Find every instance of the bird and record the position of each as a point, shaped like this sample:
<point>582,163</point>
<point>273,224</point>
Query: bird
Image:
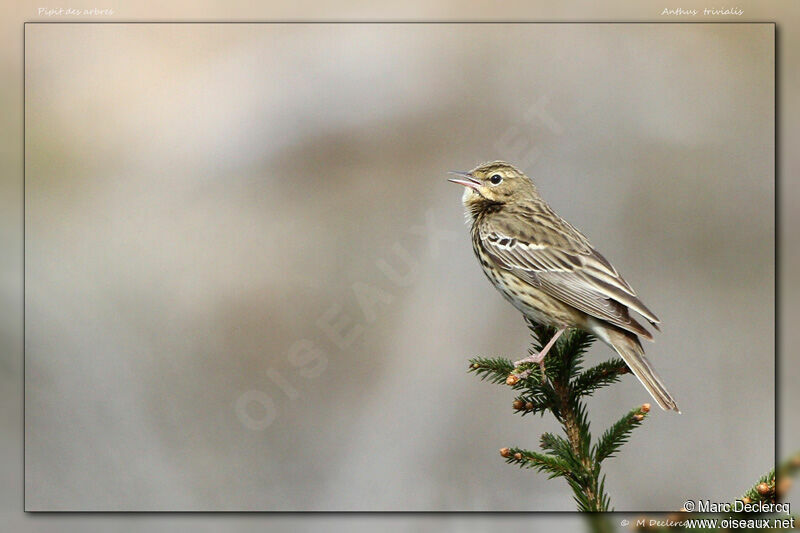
<point>550,272</point>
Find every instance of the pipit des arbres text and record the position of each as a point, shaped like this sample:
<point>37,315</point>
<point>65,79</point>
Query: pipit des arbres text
<point>550,272</point>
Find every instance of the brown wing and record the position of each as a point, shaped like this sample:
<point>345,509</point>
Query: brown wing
<point>568,269</point>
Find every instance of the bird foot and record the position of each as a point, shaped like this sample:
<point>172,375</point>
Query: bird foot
<point>535,358</point>
<point>538,359</point>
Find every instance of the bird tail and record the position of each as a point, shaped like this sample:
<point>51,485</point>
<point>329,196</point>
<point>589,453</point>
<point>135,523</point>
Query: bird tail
<point>631,351</point>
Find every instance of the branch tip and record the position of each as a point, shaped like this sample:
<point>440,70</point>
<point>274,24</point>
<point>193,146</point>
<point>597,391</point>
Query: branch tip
<point>783,486</point>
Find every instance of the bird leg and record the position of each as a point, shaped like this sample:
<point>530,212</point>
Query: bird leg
<point>539,357</point>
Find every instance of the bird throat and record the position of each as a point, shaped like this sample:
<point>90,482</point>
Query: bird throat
<point>477,205</point>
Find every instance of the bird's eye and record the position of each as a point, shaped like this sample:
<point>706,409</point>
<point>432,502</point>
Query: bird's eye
<point>496,179</point>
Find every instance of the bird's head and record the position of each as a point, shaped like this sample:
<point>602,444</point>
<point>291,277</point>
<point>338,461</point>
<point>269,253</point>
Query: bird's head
<point>494,183</point>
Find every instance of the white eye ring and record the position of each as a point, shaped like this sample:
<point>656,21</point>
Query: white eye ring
<point>496,179</point>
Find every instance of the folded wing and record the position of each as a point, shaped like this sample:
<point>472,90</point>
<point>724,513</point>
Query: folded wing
<point>573,272</point>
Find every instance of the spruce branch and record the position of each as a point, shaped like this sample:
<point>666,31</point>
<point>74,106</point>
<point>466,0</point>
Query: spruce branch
<point>618,434</point>
<point>560,392</point>
<point>769,489</point>
<point>492,370</point>
<point>773,486</point>
<point>763,490</point>
<point>787,471</point>
<point>599,376</point>
<point>553,465</point>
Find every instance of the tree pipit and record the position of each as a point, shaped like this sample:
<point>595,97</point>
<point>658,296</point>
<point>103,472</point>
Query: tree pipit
<point>550,272</point>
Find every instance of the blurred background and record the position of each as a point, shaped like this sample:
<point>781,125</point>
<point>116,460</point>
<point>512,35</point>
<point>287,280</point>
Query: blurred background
<point>249,286</point>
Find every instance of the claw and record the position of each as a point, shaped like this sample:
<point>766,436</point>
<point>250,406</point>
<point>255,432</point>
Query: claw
<point>539,357</point>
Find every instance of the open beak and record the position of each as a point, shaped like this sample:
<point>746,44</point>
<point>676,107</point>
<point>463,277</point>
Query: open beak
<point>465,179</point>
